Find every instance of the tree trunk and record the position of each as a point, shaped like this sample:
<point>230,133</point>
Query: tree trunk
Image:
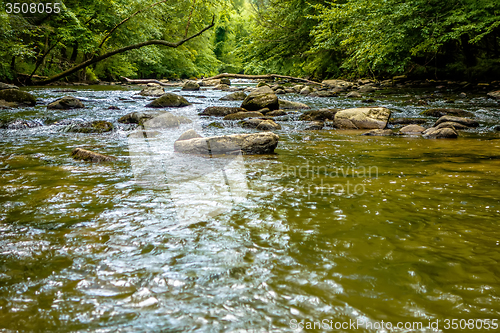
<point>146,81</point>
<point>266,76</point>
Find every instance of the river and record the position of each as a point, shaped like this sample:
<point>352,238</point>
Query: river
<point>335,227</point>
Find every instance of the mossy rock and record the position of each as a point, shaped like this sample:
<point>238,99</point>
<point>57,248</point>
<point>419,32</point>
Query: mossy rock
<point>90,156</point>
<point>243,115</point>
<point>215,125</point>
<point>169,100</point>
<point>319,115</point>
<point>439,112</point>
<point>66,103</point>
<point>17,96</point>
<point>98,126</point>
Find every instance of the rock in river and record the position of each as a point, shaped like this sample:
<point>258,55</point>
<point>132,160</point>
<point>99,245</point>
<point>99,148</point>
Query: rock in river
<point>90,156</point>
<point>189,134</point>
<point>134,118</point>
<point>321,115</point>
<point>292,105</point>
<point>220,111</point>
<point>236,96</point>
<point>165,120</point>
<point>439,112</point>
<point>98,126</point>
<point>459,120</point>
<point>243,115</point>
<point>494,94</point>
<point>169,100</point>
<point>379,132</point>
<point>190,86</point>
<point>7,86</point>
<point>17,96</point>
<point>257,143</point>
<point>362,118</point>
<point>440,133</point>
<point>152,91</point>
<point>260,98</point>
<point>66,103</point>
<point>412,129</point>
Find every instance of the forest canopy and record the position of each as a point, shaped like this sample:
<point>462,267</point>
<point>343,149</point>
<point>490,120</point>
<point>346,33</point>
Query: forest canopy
<point>314,38</point>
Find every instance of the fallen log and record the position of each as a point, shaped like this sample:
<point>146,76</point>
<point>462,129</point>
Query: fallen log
<point>256,77</point>
<point>146,81</point>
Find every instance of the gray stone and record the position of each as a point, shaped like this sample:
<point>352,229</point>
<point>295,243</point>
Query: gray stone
<point>189,134</point>
<point>257,143</point>
<point>17,96</point>
<point>283,104</point>
<point>379,132</point>
<point>155,90</point>
<point>263,97</point>
<point>66,103</point>
<point>243,115</point>
<point>169,100</point>
<point>221,111</point>
<point>363,118</point>
<point>440,133</point>
<point>236,96</point>
<point>412,129</point>
<point>165,120</point>
<point>460,120</point>
<point>190,86</point>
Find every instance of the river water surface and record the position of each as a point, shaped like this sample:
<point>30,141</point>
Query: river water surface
<point>335,227</point>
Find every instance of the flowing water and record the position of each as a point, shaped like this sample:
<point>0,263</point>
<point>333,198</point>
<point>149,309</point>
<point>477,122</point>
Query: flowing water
<point>335,227</point>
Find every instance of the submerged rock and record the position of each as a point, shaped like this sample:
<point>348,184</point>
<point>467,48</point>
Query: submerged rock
<point>362,118</point>
<point>98,126</point>
<point>221,111</point>
<point>322,115</point>
<point>439,112</point>
<point>460,120</point>
<point>292,105</point>
<point>169,100</point>
<point>412,129</point>
<point>90,156</point>
<point>236,96</point>
<point>449,124</point>
<point>66,103</point>
<point>17,96</point>
<point>155,90</point>
<point>275,113</point>
<point>223,87</point>
<point>257,143</point>
<point>379,132</point>
<point>407,121</point>
<point>243,115</point>
<point>190,86</point>
<point>440,133</point>
<point>260,98</point>
<point>225,80</point>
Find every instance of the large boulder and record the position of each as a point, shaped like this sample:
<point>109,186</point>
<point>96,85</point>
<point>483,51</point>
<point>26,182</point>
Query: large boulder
<point>220,111</point>
<point>190,86</point>
<point>7,86</point>
<point>459,120</point>
<point>494,94</point>
<point>90,156</point>
<point>440,133</point>
<point>321,115</point>
<point>363,118</point>
<point>66,103</point>
<point>17,96</point>
<point>263,97</point>
<point>165,120</point>
<point>307,90</point>
<point>98,126</point>
<point>236,96</point>
<point>257,143</point>
<point>243,115</point>
<point>155,90</point>
<point>439,112</point>
<point>169,100</point>
<point>283,104</point>
<point>134,118</point>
